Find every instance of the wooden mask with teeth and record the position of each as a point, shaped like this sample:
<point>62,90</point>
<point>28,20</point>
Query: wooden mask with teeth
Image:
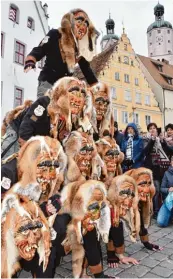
<point>82,156</point>
<point>123,196</point>
<point>25,231</point>
<point>111,155</point>
<point>146,191</point>
<point>103,107</point>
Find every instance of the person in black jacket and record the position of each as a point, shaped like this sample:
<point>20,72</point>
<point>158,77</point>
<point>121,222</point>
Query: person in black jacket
<point>74,42</point>
<point>156,158</point>
<point>10,129</point>
<point>117,135</point>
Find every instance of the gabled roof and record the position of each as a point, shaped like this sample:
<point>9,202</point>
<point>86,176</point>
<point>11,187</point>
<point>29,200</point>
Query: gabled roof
<point>159,77</point>
<point>98,63</point>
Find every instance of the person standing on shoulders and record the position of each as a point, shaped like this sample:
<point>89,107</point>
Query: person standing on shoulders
<point>74,42</point>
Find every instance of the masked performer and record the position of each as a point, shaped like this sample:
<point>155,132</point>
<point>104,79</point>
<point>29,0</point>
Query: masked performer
<point>10,129</point>
<point>74,42</point>
<point>83,160</point>
<point>123,198</point>
<point>146,191</point>
<point>25,231</point>
<point>57,114</point>
<point>102,104</point>
<point>40,166</point>
<point>86,202</point>
<point>110,153</point>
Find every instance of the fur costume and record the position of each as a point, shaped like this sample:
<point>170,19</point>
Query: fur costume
<point>34,152</point>
<point>78,200</point>
<point>124,203</point>
<point>103,107</point>
<point>110,153</point>
<point>25,230</point>
<point>70,101</point>
<point>83,160</point>
<point>73,48</point>
<point>13,114</point>
<point>145,194</point>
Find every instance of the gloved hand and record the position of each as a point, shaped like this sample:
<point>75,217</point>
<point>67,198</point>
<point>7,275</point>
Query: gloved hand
<point>151,246</point>
<point>128,162</point>
<point>30,64</point>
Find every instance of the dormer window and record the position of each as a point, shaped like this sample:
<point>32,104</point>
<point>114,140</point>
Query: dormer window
<point>160,68</point>
<point>31,23</point>
<point>14,13</point>
<point>125,46</point>
<point>169,80</point>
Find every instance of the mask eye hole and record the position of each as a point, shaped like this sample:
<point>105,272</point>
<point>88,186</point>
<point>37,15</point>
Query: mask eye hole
<point>25,232</point>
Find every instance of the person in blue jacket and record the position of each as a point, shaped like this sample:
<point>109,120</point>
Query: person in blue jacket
<point>132,147</point>
<point>165,213</point>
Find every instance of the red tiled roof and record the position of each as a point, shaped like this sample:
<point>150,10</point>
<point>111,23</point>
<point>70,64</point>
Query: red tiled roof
<point>159,77</point>
<point>98,63</point>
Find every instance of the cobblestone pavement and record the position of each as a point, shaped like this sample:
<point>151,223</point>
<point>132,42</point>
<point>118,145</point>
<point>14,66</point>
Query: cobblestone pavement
<point>152,264</point>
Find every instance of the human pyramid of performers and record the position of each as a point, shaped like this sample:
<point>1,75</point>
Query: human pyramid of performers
<point>63,186</point>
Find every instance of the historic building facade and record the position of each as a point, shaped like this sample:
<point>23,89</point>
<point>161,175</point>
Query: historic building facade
<point>132,97</point>
<point>23,25</point>
<point>160,37</point>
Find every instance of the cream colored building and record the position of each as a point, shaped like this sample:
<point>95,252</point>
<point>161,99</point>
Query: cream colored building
<point>132,97</point>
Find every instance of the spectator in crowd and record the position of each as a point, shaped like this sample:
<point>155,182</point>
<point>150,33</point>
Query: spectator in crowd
<point>132,147</point>
<point>117,135</point>
<point>156,158</point>
<point>169,136</point>
<point>166,212</point>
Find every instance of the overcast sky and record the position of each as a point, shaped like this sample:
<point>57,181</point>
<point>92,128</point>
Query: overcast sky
<point>136,15</point>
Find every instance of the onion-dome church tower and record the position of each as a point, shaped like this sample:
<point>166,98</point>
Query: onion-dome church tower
<point>110,37</point>
<point>160,37</point>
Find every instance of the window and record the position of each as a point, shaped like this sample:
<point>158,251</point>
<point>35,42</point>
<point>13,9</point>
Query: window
<point>41,63</point>
<point>168,31</point>
<point>150,34</point>
<point>19,53</point>
<point>125,46</point>
<point>113,93</point>
<point>136,118</point>
<point>119,59</point>
<point>169,41</point>
<point>132,63</point>
<point>14,13</point>
<point>117,76</point>
<point>18,96</point>
<point>158,31</point>
<point>31,23</point>
<point>2,44</point>
<point>147,119</point>
<point>115,114</point>
<point>136,81</point>
<point>127,95</point>
<point>138,98</point>
<point>126,60</point>
<point>150,44</point>
<point>125,117</point>
<point>147,100</point>
<point>169,51</point>
<point>126,78</point>
<point>151,53</point>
